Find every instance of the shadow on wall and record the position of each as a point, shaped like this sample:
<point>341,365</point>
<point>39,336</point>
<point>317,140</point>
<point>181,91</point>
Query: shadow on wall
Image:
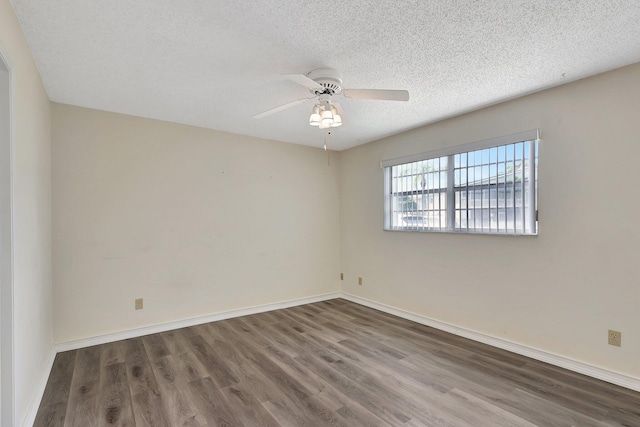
<point>6,285</point>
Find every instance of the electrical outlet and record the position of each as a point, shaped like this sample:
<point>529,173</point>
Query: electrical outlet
<point>360,281</point>
<point>341,276</point>
<point>615,338</point>
<point>139,304</point>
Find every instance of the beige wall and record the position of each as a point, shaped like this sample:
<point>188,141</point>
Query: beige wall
<point>558,292</point>
<point>31,214</point>
<point>192,220</point>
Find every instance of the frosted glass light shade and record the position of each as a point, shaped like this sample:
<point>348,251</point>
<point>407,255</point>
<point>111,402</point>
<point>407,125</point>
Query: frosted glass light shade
<point>327,116</point>
<point>314,118</point>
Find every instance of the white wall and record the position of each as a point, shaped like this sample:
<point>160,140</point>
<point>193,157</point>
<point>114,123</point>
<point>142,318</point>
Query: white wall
<point>6,263</point>
<point>31,214</point>
<point>194,221</point>
<point>559,292</point>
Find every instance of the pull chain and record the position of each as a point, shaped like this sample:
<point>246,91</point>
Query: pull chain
<point>326,147</point>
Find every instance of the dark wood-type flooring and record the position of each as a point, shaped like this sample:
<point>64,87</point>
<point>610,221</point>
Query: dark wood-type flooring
<point>324,364</point>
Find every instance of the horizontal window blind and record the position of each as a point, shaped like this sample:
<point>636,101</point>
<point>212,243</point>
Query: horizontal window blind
<point>484,187</point>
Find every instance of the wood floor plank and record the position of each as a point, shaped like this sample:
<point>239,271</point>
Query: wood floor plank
<point>155,346</point>
<point>249,373</point>
<point>148,410</point>
<point>377,405</point>
<point>227,350</point>
<point>408,377</point>
<point>212,403</point>
<point>403,380</point>
<point>83,402</point>
<point>140,374</point>
<point>59,384</point>
<point>318,388</point>
<point>355,415</point>
<point>245,405</point>
<point>112,353</point>
<point>540,411</point>
<point>216,367</point>
<point>84,413</point>
<point>330,350</point>
<point>53,406</point>
<point>616,401</point>
<point>285,415</point>
<point>401,397</point>
<point>331,363</point>
<point>176,340</point>
<point>308,324</point>
<point>302,412</point>
<point>179,407</point>
<point>240,327</point>
<point>190,367</point>
<point>52,415</point>
<point>370,357</point>
<point>143,386</point>
<point>477,412</point>
<point>114,402</point>
<point>293,397</point>
<point>284,342</point>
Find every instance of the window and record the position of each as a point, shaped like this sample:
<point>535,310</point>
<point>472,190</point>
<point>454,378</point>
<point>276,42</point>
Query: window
<point>485,187</point>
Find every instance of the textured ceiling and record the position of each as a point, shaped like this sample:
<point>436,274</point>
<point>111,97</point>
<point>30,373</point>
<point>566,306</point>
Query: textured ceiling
<point>216,63</point>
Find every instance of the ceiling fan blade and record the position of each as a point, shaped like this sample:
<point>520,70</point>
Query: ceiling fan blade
<point>303,80</point>
<point>387,95</point>
<point>282,107</point>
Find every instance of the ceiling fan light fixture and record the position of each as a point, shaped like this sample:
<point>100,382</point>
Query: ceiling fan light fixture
<point>325,84</point>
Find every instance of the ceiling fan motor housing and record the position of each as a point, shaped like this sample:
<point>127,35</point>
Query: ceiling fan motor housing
<point>329,79</point>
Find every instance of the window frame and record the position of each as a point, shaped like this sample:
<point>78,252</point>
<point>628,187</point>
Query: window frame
<point>450,152</point>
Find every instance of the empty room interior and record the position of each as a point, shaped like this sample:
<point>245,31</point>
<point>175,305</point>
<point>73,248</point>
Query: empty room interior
<point>355,213</point>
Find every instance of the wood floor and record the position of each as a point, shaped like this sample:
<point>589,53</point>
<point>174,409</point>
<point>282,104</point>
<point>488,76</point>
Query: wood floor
<point>324,364</point>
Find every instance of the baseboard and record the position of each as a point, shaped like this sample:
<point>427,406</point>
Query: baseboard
<point>32,409</point>
<point>163,327</point>
<point>534,353</point>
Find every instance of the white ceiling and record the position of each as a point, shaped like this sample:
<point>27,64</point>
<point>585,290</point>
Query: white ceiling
<point>216,63</point>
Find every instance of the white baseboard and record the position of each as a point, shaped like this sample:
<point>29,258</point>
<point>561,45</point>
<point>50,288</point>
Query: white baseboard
<point>163,327</point>
<point>32,409</point>
<point>534,353</point>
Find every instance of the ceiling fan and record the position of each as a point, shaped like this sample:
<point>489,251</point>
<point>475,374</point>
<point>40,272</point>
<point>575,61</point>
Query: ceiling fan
<point>324,84</point>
